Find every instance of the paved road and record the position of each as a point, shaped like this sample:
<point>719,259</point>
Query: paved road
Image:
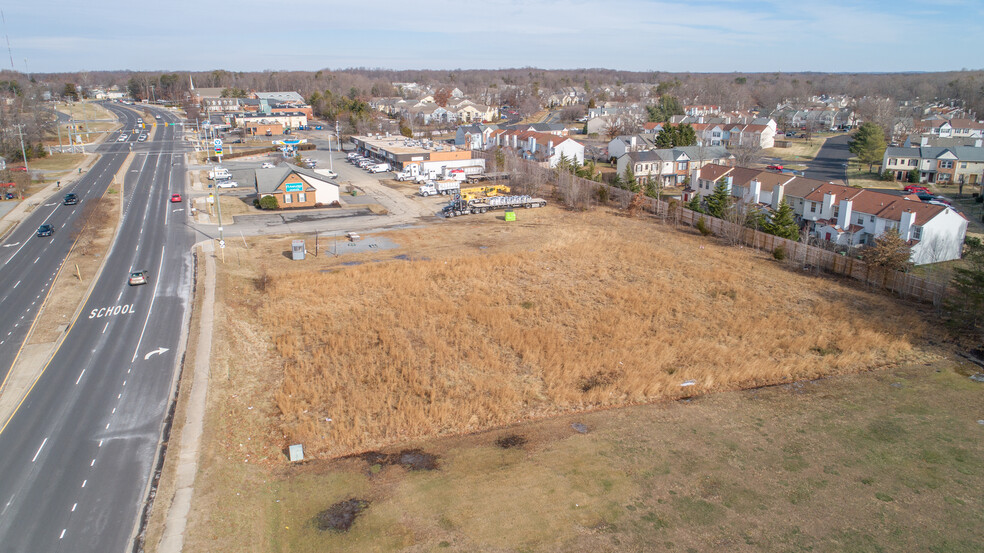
<point>29,263</point>
<point>76,458</point>
<point>831,161</point>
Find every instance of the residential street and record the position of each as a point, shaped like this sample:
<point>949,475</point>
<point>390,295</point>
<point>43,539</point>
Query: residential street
<point>831,161</point>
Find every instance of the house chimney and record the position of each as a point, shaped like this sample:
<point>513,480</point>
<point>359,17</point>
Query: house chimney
<point>632,143</point>
<point>827,207</point>
<point>730,180</point>
<point>777,193</point>
<point>754,191</point>
<point>977,143</point>
<point>844,216</point>
<point>906,222</point>
<point>924,141</point>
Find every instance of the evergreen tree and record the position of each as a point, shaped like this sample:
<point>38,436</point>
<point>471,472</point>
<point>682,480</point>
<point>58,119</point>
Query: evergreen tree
<point>719,201</point>
<point>868,144</point>
<point>782,223</point>
<point>631,183</point>
<point>694,204</point>
<point>666,136</point>
<point>685,136</point>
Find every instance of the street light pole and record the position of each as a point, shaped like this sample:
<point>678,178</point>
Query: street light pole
<point>23,151</point>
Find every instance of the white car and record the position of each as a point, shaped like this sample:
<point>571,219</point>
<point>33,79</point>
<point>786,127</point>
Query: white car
<point>329,173</point>
<point>267,165</point>
<point>122,138</point>
<point>227,184</point>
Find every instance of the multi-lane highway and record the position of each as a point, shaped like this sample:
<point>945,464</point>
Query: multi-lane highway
<point>77,456</point>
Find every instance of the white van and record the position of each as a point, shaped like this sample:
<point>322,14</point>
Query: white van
<point>379,167</point>
<point>219,173</point>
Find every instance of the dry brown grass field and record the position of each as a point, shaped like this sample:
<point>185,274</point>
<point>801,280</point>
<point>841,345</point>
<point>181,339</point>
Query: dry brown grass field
<point>487,323</point>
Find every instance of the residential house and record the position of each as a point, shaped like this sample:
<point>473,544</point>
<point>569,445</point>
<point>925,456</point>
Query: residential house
<point>474,137</point>
<point>845,215</point>
<point>671,166</point>
<point>651,128</point>
<point>943,165</point>
<point>702,110</point>
<point>537,146</point>
<point>295,187</point>
<point>622,145</point>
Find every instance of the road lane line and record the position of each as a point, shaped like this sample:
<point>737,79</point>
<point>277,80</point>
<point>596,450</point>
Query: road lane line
<point>151,308</point>
<point>105,327</point>
<point>62,534</point>
<point>39,450</point>
<point>16,285</point>
<point>100,443</point>
<point>92,463</point>
<point>80,377</point>
<point>74,505</point>
<point>83,483</point>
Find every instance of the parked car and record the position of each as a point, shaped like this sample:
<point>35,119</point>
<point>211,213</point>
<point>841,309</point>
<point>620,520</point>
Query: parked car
<point>940,200</point>
<point>70,199</point>
<point>925,196</point>
<point>46,230</point>
<point>915,188</point>
<point>227,184</point>
<point>775,168</point>
<point>121,138</point>
<point>267,165</point>
<point>137,278</point>
<point>329,173</point>
<point>175,198</point>
<point>9,196</point>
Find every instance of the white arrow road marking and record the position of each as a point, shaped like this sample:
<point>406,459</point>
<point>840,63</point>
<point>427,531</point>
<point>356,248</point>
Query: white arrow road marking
<point>11,245</point>
<point>177,210</point>
<point>49,205</point>
<point>154,352</point>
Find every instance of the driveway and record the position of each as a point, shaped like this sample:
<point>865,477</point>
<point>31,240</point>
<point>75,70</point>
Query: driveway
<point>831,161</point>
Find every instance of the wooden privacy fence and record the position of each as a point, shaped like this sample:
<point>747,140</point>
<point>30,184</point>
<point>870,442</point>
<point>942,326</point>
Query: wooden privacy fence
<point>809,257</point>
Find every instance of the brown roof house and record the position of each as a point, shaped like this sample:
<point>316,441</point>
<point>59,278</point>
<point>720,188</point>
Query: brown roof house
<point>296,187</point>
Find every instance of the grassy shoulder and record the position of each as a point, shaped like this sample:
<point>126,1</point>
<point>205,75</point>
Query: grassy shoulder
<point>101,119</point>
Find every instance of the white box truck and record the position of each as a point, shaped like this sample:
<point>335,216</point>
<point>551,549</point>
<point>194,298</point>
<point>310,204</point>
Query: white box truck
<point>219,173</point>
<point>445,187</point>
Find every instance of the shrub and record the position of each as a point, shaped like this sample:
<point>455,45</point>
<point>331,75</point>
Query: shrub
<point>779,253</point>
<point>603,195</point>
<point>703,228</point>
<point>888,175</point>
<point>256,202</point>
<point>269,202</point>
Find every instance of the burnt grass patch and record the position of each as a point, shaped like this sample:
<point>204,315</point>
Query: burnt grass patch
<point>410,459</point>
<point>510,441</point>
<point>340,516</point>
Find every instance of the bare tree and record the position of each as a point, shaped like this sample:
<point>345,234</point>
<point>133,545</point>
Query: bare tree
<point>746,154</point>
<point>737,216</point>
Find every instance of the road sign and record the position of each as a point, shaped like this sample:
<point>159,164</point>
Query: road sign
<point>217,142</point>
<point>221,243</point>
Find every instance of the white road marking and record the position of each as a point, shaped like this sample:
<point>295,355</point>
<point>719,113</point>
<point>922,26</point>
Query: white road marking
<point>107,426</point>
<point>114,410</point>
<point>83,483</point>
<point>74,505</point>
<point>100,443</point>
<point>149,310</point>
<point>62,534</point>
<point>36,260</point>
<point>105,327</point>
<point>92,463</point>
<point>80,377</point>
<point>124,382</point>
<point>39,450</point>
<point>16,285</point>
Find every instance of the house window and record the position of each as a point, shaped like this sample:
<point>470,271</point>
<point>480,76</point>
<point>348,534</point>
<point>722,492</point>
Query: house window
<point>682,166</point>
<point>913,162</point>
<point>943,177</point>
<point>891,161</point>
<point>860,219</point>
<point>288,198</point>
<point>946,165</point>
<point>963,164</point>
<point>917,233</point>
<point>871,219</point>
<point>813,207</point>
<point>301,197</point>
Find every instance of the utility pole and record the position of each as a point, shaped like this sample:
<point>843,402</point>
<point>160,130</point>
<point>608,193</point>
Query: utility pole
<point>23,151</point>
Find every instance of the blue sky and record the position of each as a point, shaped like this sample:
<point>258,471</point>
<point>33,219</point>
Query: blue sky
<point>639,35</point>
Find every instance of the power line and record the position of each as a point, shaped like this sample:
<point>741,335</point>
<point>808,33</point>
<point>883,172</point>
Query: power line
<point>6,36</point>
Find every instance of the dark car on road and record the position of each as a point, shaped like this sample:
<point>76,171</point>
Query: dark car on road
<point>45,230</point>
<point>71,199</point>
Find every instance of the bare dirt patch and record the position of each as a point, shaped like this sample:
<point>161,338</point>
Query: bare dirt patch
<point>340,516</point>
<point>410,459</point>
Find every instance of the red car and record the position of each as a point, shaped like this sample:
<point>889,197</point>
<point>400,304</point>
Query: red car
<point>175,198</point>
<point>775,168</point>
<point>19,168</point>
<point>915,189</point>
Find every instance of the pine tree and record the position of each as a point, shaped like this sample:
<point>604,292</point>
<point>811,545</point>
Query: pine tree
<point>782,223</point>
<point>631,183</point>
<point>889,252</point>
<point>719,200</point>
<point>694,204</point>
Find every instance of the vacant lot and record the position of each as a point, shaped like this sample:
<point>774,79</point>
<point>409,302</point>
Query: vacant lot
<point>800,149</point>
<point>476,324</point>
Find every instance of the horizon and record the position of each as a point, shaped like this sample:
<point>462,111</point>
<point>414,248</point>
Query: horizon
<point>704,36</point>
